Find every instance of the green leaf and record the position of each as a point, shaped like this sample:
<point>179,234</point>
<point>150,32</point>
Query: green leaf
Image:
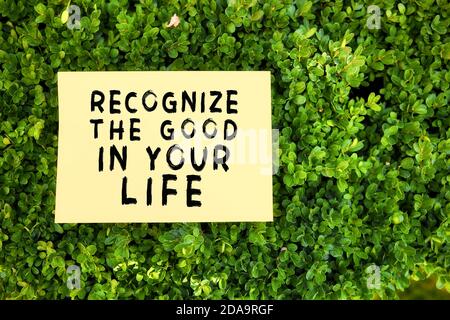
<point>64,16</point>
<point>231,27</point>
<point>288,180</point>
<point>40,9</point>
<point>257,15</point>
<point>342,185</point>
<point>445,51</point>
<point>310,33</point>
<point>420,109</point>
<point>299,100</point>
<point>407,163</point>
<point>91,249</point>
<point>305,7</point>
<point>173,53</point>
<point>388,58</point>
<point>58,228</point>
<point>58,262</point>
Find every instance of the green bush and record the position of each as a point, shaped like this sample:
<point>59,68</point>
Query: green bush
<point>424,290</point>
<point>364,149</point>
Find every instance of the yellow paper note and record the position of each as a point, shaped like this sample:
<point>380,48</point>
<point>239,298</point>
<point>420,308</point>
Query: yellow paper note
<point>166,146</point>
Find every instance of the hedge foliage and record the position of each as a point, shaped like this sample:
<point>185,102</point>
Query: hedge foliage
<point>364,149</point>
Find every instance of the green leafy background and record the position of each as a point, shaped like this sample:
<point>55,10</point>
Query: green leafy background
<point>364,149</point>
